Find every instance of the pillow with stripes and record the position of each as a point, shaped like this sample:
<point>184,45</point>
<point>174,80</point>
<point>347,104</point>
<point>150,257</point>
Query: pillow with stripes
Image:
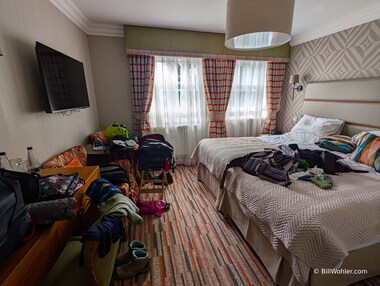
<point>368,150</point>
<point>338,143</point>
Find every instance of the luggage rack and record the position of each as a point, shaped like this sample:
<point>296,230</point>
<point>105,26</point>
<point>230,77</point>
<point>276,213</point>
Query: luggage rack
<point>152,181</point>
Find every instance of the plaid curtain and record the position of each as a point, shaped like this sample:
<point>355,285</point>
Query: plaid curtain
<point>217,75</point>
<point>142,77</point>
<point>275,78</point>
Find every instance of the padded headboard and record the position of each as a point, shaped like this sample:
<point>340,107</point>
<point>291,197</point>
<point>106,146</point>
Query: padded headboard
<point>355,101</point>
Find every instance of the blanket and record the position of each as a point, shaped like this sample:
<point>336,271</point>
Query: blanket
<point>316,227</point>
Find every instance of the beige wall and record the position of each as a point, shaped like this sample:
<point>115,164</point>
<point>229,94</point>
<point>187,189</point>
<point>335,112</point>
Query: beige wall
<point>111,79</point>
<point>349,54</point>
<point>23,121</point>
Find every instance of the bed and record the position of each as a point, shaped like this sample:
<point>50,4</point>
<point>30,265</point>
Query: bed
<point>300,231</point>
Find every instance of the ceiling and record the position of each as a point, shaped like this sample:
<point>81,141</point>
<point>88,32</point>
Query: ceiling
<point>312,18</point>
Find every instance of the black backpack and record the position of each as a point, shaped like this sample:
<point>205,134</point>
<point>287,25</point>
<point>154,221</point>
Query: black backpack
<point>14,218</point>
<point>155,153</point>
<point>29,183</point>
<point>268,165</point>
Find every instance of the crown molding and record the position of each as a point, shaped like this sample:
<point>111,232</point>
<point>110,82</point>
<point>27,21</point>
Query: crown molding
<point>362,16</point>
<point>71,11</point>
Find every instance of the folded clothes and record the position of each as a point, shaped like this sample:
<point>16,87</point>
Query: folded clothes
<point>120,205</point>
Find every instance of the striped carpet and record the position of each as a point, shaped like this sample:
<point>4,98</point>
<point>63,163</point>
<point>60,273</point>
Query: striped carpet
<point>192,244</point>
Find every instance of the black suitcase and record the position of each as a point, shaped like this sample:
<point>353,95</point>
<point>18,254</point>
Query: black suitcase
<point>115,174</point>
<point>14,218</point>
<point>155,154</point>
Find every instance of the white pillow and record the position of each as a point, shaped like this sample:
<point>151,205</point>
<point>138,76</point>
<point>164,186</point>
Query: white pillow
<point>318,126</point>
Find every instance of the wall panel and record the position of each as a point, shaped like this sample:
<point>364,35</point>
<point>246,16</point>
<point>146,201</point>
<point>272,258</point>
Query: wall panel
<point>349,54</point>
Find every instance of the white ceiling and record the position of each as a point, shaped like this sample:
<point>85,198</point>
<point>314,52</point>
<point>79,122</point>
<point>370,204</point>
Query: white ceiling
<point>312,18</point>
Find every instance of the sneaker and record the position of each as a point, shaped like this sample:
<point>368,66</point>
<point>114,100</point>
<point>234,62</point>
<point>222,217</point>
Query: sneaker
<point>166,207</point>
<point>139,263</point>
<point>125,256</point>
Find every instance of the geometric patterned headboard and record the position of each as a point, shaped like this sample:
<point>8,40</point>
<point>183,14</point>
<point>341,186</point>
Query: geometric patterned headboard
<point>356,101</point>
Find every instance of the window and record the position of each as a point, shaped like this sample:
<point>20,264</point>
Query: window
<point>178,96</point>
<point>246,109</point>
<point>178,109</point>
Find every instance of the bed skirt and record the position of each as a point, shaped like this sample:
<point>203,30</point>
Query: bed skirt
<point>277,266</point>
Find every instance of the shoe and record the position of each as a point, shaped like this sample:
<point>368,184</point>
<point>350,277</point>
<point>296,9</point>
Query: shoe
<point>138,264</point>
<point>125,256</point>
<point>169,179</point>
<point>166,207</point>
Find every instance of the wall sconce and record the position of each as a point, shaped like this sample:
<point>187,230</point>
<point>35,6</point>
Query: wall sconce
<point>295,78</point>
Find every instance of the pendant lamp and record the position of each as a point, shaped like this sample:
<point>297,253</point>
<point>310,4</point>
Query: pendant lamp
<point>258,24</point>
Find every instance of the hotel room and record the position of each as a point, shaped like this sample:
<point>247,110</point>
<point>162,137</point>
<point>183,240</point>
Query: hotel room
<point>165,67</point>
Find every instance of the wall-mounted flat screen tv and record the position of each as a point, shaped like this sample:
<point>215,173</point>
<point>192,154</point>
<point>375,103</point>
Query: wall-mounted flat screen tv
<point>63,79</point>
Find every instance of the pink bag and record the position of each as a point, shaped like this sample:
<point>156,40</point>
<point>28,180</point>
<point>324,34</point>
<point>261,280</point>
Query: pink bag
<point>152,207</point>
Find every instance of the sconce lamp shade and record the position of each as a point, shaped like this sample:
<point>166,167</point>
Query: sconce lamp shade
<point>258,24</point>
<point>294,78</point>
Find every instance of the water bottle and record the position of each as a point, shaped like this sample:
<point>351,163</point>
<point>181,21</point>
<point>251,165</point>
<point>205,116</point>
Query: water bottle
<point>4,162</point>
<point>33,163</point>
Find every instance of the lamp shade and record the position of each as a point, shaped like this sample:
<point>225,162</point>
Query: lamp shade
<point>258,24</point>
<point>294,78</point>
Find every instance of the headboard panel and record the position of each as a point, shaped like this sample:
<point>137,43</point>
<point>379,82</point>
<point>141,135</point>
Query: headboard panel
<point>355,101</point>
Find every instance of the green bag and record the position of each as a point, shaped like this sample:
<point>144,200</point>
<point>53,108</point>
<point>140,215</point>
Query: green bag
<point>325,183</point>
<point>117,129</point>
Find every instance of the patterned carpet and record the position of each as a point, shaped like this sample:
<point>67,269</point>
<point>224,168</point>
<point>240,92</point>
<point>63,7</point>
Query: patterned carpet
<point>192,244</point>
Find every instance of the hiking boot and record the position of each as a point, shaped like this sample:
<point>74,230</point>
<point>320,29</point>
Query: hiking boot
<point>125,256</point>
<point>139,263</point>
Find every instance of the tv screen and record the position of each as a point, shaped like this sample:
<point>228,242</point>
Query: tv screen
<point>63,80</point>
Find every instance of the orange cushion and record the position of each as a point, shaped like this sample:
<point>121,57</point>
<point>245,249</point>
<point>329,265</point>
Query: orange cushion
<point>74,163</point>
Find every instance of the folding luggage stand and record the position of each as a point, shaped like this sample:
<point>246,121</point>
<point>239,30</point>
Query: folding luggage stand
<point>151,177</point>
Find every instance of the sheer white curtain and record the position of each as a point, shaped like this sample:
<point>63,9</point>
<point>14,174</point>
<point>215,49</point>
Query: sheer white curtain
<point>178,108</point>
<point>246,110</point>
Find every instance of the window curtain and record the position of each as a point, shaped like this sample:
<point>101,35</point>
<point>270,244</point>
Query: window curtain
<point>142,77</point>
<point>247,106</point>
<point>275,78</point>
<point>178,108</point>
<point>218,75</point>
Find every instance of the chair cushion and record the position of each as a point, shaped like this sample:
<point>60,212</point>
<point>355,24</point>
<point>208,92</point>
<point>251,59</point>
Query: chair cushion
<point>130,190</point>
<point>74,163</point>
<point>65,157</point>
